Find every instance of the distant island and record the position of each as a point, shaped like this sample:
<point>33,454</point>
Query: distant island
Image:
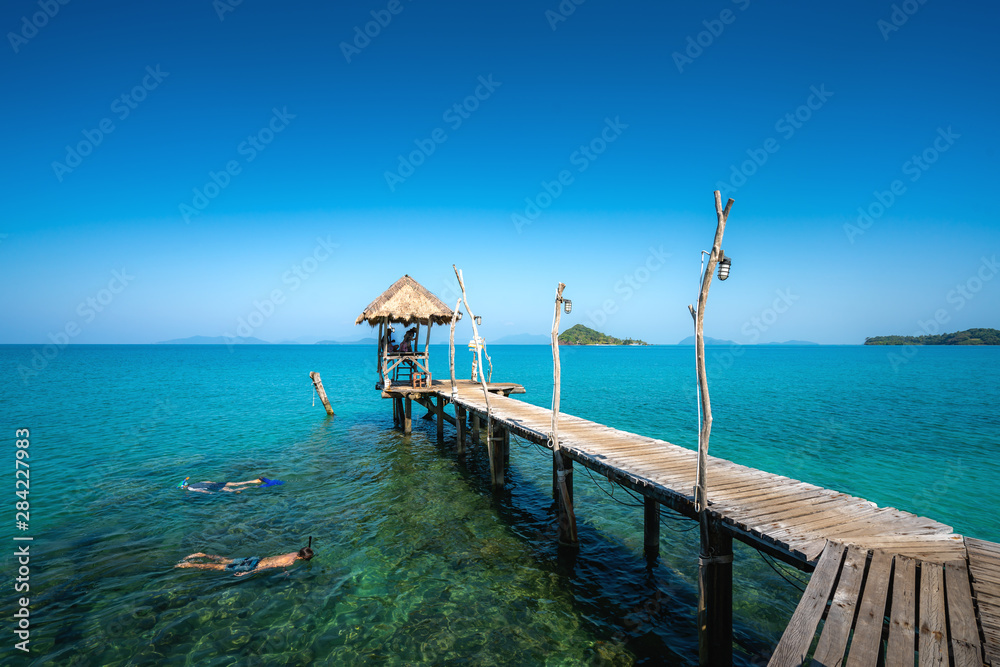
<point>721,341</point>
<point>581,335</point>
<point>967,337</point>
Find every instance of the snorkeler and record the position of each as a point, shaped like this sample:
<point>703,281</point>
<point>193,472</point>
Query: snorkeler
<point>244,566</point>
<point>229,487</point>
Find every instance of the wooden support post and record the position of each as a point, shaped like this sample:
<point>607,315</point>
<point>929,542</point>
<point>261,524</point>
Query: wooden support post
<point>567,517</point>
<point>651,527</point>
<point>439,410</point>
<point>567,464</point>
<point>407,421</point>
<point>555,478</point>
<point>318,385</point>
<point>715,563</point>
<point>506,447</point>
<point>475,428</point>
<point>460,428</point>
<point>395,411</point>
<point>715,600</point>
<point>497,467</point>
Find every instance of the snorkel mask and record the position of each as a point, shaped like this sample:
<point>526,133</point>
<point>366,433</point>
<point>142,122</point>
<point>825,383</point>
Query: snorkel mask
<point>183,485</point>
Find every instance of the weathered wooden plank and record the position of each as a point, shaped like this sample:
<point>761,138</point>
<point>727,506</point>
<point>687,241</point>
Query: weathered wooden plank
<point>964,635</point>
<point>933,632</point>
<point>776,500</point>
<point>839,620</point>
<point>798,635</point>
<point>871,612</point>
<point>902,646</point>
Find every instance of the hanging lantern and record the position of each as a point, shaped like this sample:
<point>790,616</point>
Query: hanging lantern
<point>724,265</point>
<point>568,306</point>
<point>479,319</point>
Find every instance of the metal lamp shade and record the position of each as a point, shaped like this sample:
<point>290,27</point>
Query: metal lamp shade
<point>568,306</point>
<point>724,265</point>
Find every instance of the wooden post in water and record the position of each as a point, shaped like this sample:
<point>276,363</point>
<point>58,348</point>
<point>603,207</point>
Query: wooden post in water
<point>460,429</point>
<point>567,518</point>
<point>715,563</point>
<point>475,428</point>
<point>651,527</point>
<point>439,411</point>
<point>407,421</point>
<point>496,452</point>
<point>318,384</point>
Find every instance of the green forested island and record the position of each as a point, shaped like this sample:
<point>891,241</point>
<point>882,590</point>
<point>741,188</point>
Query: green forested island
<point>967,337</point>
<point>581,335</point>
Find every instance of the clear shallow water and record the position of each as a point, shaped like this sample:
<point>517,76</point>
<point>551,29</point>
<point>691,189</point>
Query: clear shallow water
<point>417,562</point>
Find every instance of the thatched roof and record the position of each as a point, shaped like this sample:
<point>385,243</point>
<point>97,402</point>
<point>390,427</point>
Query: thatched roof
<point>407,301</point>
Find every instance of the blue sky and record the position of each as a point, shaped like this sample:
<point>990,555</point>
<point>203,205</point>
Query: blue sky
<point>253,165</point>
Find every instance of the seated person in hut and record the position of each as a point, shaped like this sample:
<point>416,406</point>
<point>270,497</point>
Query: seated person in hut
<point>390,344</point>
<point>408,338</point>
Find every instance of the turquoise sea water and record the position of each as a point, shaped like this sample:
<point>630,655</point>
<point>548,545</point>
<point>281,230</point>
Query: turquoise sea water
<point>417,562</point>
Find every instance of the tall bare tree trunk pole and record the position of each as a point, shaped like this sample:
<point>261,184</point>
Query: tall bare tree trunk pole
<point>715,564</point>
<point>482,378</point>
<point>451,348</point>
<point>567,518</point>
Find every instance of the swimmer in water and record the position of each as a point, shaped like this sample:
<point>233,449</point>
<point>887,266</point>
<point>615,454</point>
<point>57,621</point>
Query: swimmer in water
<point>228,487</point>
<point>241,567</point>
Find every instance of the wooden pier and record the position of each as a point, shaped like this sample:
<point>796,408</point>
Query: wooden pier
<point>887,586</point>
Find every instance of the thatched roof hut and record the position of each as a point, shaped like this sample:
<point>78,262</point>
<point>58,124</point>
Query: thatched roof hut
<point>406,302</point>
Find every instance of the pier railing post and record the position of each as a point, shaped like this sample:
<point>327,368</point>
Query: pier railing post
<point>715,564</point>
<point>567,517</point>
<point>482,378</point>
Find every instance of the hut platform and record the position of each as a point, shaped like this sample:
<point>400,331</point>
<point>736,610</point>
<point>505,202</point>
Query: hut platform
<point>886,585</point>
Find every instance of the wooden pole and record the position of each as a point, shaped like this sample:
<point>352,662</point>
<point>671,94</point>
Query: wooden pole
<point>475,428</point>
<point>715,603</point>
<point>715,599</point>
<point>651,527</point>
<point>701,488</point>
<point>318,384</point>
<point>567,518</point>
<point>460,429</point>
<point>381,342</point>
<point>451,349</point>
<point>496,453</point>
<point>482,379</point>
<point>440,418</point>
<point>407,421</point>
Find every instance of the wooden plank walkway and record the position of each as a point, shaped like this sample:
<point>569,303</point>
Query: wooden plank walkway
<point>887,586</point>
<point>984,565</point>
